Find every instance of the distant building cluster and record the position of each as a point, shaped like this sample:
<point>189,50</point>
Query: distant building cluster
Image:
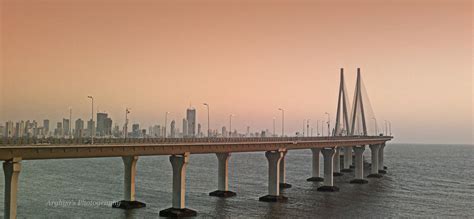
<point>103,127</point>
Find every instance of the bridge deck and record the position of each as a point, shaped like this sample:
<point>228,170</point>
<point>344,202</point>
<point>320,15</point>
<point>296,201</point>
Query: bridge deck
<point>57,149</point>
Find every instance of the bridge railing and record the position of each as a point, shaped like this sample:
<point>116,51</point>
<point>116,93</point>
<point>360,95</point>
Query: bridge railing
<point>67,141</point>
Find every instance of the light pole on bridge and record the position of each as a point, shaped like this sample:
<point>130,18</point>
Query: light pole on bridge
<point>375,124</point>
<point>282,121</point>
<point>329,123</point>
<point>92,119</point>
<point>208,126</point>
<point>125,127</point>
<point>166,122</point>
<point>230,124</point>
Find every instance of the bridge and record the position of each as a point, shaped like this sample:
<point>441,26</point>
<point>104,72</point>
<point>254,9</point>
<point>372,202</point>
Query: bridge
<point>349,140</point>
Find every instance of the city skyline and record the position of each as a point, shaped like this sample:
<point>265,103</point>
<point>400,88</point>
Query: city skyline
<point>256,59</point>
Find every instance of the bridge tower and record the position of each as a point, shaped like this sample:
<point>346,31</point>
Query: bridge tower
<point>342,124</point>
<point>358,108</point>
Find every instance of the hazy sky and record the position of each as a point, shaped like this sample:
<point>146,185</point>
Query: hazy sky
<point>242,57</point>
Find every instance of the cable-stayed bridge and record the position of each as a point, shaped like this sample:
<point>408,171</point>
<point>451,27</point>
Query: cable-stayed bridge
<point>350,138</point>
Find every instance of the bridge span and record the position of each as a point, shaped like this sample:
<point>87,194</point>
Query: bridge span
<point>13,151</point>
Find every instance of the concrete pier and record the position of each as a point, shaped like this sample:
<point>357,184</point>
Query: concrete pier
<point>359,165</point>
<point>222,176</point>
<point>337,162</point>
<point>328,185</point>
<point>381,164</point>
<point>316,175</point>
<point>129,202</point>
<point>274,158</point>
<point>178,209</point>
<point>374,166</point>
<point>347,159</point>
<point>283,184</point>
<point>11,169</point>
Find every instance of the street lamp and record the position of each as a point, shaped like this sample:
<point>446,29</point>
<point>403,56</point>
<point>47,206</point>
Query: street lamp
<point>230,124</point>
<point>304,126</point>
<point>282,122</point>
<point>375,124</point>
<point>273,127</point>
<point>329,123</point>
<point>390,127</point>
<point>166,122</point>
<point>208,123</point>
<point>125,127</point>
<point>92,119</point>
<point>70,123</point>
<point>317,127</point>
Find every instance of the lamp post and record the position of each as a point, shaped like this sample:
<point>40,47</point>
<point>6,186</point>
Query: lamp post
<point>307,128</point>
<point>375,124</point>
<point>273,127</point>
<point>230,125</point>
<point>70,123</point>
<point>166,122</point>
<point>304,124</point>
<point>329,123</point>
<point>125,127</point>
<point>390,127</point>
<point>317,127</point>
<point>92,119</point>
<point>282,121</point>
<point>208,123</point>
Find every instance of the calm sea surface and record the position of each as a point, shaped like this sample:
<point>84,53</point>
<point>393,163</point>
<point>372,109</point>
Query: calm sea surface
<point>422,180</point>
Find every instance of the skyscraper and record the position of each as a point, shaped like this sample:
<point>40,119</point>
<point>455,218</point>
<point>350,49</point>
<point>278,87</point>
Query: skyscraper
<point>136,130</point>
<point>9,131</point>
<point>90,128</point>
<point>173,129</point>
<point>191,118</point>
<point>66,127</point>
<point>199,133</point>
<point>185,128</point>
<point>79,128</point>
<point>46,127</point>
<point>104,124</point>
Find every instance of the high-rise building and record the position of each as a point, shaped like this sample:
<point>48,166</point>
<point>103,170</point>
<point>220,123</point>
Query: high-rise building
<point>58,132</point>
<point>191,118</point>
<point>104,124</point>
<point>46,127</point>
<point>2,131</point>
<point>173,129</point>
<point>224,131</point>
<point>199,133</point>
<point>136,130</point>
<point>79,128</point>
<point>90,128</point>
<point>9,131</point>
<point>185,128</point>
<point>66,127</point>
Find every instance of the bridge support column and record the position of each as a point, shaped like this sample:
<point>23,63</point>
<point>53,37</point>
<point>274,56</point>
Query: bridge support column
<point>359,165</point>
<point>129,202</point>
<point>381,154</point>
<point>178,209</point>
<point>316,175</point>
<point>283,184</point>
<point>374,166</point>
<point>337,162</point>
<point>222,177</point>
<point>274,158</point>
<point>347,159</point>
<point>328,185</point>
<point>11,169</point>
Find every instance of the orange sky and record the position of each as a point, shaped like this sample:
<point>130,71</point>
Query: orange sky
<point>242,57</point>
